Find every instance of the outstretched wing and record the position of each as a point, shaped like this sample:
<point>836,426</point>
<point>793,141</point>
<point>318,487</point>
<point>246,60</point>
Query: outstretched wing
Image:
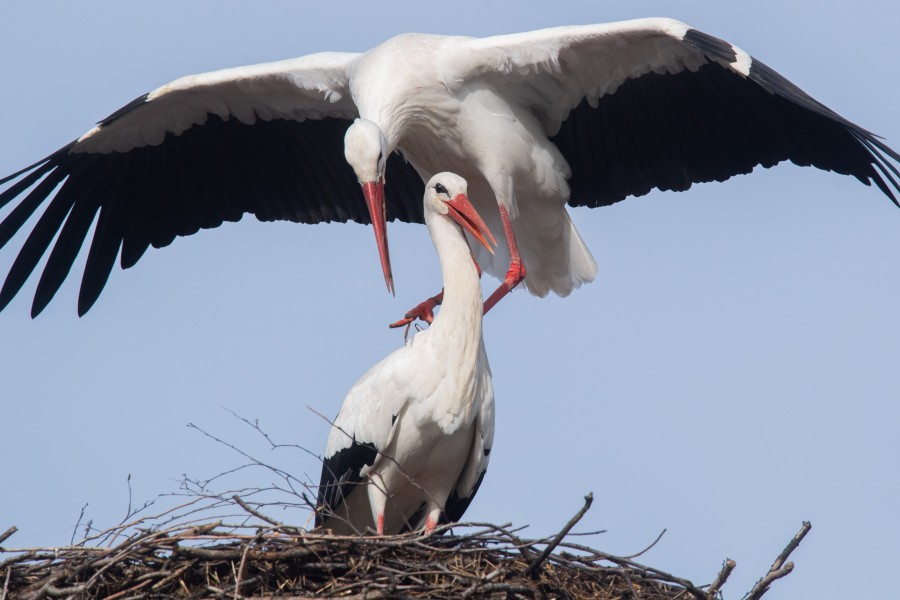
<point>265,139</point>
<point>653,103</point>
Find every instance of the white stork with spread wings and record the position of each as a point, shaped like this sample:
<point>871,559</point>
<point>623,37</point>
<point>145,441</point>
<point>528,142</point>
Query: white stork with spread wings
<point>581,115</point>
<point>411,443</point>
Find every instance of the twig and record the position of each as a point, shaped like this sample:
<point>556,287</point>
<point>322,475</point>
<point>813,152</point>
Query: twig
<point>792,545</point>
<point>174,575</point>
<point>645,550</point>
<point>129,590</point>
<point>6,583</point>
<point>204,529</point>
<point>628,583</point>
<point>534,567</point>
<point>5,535</point>
<point>727,567</point>
<point>128,512</point>
<point>77,524</point>
<point>779,568</point>
<point>236,553</point>
<point>240,573</point>
<point>256,513</point>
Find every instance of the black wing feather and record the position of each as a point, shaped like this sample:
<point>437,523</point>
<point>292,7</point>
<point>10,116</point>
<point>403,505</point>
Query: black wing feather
<point>211,173</point>
<point>71,237</point>
<point>41,236</point>
<point>456,506</point>
<point>340,474</point>
<point>668,131</point>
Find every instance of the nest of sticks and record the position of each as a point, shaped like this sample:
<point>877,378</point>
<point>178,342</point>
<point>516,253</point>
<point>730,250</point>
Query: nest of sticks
<point>180,554</point>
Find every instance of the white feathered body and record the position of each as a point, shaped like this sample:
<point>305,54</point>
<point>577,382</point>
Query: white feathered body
<point>498,145</point>
<point>428,408</point>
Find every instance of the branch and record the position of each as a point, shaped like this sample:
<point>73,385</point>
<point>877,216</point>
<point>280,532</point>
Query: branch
<point>780,568</point>
<point>256,513</point>
<point>5,535</point>
<point>792,545</point>
<point>535,566</point>
<point>240,572</point>
<point>6,583</point>
<point>727,567</point>
<point>647,549</point>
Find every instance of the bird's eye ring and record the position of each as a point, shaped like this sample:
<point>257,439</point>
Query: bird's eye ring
<point>440,189</point>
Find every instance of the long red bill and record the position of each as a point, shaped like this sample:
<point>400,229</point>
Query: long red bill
<point>462,211</point>
<point>374,193</point>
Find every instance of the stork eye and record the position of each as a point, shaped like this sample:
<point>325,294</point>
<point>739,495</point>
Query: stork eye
<point>440,189</point>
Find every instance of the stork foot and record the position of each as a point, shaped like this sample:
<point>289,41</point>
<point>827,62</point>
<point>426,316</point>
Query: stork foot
<point>514,276</point>
<point>423,310</point>
<point>516,272</point>
<point>432,520</point>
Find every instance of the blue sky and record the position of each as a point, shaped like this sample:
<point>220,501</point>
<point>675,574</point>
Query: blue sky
<point>731,372</point>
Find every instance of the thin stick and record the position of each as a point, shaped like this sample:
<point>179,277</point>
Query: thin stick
<point>174,575</point>
<point>779,568</point>
<point>5,535</point>
<point>6,583</point>
<point>77,525</point>
<point>645,550</point>
<point>240,572</point>
<point>534,567</point>
<point>129,590</point>
<point>256,513</point>
<point>792,545</point>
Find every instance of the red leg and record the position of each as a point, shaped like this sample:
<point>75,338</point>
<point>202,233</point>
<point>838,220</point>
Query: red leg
<point>432,520</point>
<point>379,527</point>
<point>516,272</point>
<point>423,310</point>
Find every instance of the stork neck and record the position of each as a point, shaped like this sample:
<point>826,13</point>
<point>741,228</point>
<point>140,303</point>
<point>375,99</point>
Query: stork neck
<point>461,309</point>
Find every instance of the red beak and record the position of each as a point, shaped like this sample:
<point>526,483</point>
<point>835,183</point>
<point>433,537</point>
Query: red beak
<point>374,193</point>
<point>462,211</point>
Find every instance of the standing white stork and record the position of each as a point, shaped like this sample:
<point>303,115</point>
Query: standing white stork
<point>412,440</point>
<point>581,115</point>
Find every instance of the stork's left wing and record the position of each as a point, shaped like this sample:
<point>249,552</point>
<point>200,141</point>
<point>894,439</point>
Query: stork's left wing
<point>654,103</point>
<point>361,431</point>
<point>341,473</point>
<point>263,139</point>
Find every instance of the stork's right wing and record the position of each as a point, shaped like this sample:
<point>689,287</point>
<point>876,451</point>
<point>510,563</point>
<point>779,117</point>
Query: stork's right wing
<point>654,103</point>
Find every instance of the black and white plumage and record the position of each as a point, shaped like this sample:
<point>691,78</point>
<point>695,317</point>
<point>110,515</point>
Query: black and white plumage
<point>412,440</point>
<point>582,115</point>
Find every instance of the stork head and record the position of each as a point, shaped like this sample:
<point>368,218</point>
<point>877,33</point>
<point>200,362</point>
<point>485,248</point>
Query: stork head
<point>366,150</point>
<point>445,194</point>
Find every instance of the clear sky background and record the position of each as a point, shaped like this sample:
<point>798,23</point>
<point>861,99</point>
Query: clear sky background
<point>732,371</point>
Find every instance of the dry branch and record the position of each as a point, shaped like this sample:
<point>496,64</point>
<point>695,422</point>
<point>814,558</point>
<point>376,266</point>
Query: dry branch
<point>779,568</point>
<point>534,568</point>
<point>713,589</point>
<point>5,535</point>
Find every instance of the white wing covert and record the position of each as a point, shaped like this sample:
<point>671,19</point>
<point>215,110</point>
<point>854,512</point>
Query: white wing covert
<point>654,103</point>
<point>265,139</point>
